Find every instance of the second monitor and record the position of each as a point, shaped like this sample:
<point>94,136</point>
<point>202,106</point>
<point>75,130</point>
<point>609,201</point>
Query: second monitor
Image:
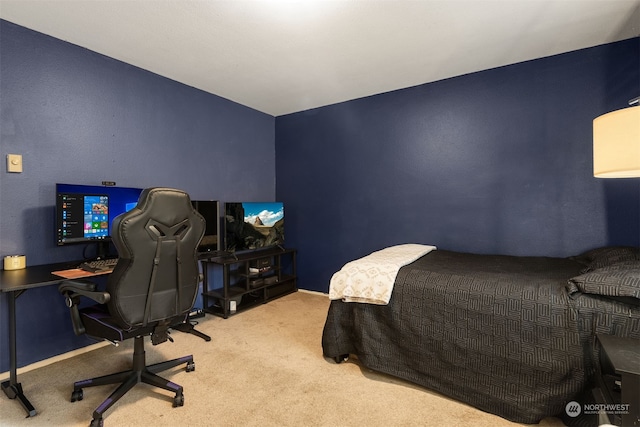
<point>209,209</point>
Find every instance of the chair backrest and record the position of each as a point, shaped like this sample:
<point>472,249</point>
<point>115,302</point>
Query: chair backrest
<point>157,276</point>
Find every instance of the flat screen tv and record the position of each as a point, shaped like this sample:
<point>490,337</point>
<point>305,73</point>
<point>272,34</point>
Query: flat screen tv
<point>84,213</point>
<point>209,209</point>
<point>253,225</point>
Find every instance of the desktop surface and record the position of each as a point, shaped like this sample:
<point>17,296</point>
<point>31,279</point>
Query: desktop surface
<point>32,276</point>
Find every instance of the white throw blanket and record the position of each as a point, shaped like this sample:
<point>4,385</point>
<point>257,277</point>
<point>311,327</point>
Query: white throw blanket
<point>370,279</point>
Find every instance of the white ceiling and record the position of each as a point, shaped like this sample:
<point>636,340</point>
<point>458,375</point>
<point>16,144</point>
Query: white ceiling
<point>284,56</point>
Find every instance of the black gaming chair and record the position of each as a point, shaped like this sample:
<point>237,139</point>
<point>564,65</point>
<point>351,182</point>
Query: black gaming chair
<point>152,287</point>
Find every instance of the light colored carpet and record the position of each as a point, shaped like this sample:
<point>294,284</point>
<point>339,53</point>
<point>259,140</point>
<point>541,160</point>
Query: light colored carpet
<point>263,367</point>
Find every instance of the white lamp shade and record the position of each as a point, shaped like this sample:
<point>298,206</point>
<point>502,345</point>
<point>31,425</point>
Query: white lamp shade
<point>616,144</point>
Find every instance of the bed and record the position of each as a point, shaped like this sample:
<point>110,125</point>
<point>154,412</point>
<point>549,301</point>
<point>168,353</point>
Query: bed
<point>512,336</point>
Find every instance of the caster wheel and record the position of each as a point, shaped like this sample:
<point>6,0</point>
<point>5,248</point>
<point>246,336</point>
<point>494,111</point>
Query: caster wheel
<point>191,366</point>
<point>97,422</point>
<point>76,395</point>
<point>178,400</point>
<point>341,358</point>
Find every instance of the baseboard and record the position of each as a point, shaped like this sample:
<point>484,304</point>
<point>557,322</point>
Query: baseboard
<point>57,358</point>
<point>314,292</point>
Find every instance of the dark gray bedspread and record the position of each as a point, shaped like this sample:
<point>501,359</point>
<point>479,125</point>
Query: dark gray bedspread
<point>497,332</point>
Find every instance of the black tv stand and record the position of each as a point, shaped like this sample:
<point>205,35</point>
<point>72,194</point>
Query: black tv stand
<point>213,254</point>
<point>248,279</point>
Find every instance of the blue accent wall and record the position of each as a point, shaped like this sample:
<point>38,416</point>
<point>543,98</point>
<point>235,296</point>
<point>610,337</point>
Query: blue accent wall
<point>498,161</point>
<point>79,117</point>
<point>492,162</point>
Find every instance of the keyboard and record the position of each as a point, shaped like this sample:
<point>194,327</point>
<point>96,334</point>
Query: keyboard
<point>99,265</point>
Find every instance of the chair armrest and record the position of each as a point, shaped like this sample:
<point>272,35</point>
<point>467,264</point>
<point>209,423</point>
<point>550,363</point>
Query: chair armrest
<point>72,291</point>
<point>74,288</point>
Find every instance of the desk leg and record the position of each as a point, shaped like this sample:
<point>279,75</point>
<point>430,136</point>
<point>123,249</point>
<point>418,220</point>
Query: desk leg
<point>12,388</point>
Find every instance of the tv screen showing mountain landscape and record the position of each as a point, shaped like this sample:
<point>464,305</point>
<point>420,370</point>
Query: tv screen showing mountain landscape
<point>253,225</point>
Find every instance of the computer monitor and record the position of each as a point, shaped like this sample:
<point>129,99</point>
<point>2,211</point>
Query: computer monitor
<point>253,225</point>
<point>85,213</point>
<point>210,211</point>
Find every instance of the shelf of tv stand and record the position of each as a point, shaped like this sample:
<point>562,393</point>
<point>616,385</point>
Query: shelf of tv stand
<point>241,286</point>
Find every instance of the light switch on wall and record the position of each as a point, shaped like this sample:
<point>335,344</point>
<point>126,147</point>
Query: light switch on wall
<point>14,163</point>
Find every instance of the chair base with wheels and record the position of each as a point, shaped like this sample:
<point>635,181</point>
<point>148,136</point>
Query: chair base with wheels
<point>139,372</point>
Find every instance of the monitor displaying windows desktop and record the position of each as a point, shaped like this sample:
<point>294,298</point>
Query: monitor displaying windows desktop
<point>84,213</point>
